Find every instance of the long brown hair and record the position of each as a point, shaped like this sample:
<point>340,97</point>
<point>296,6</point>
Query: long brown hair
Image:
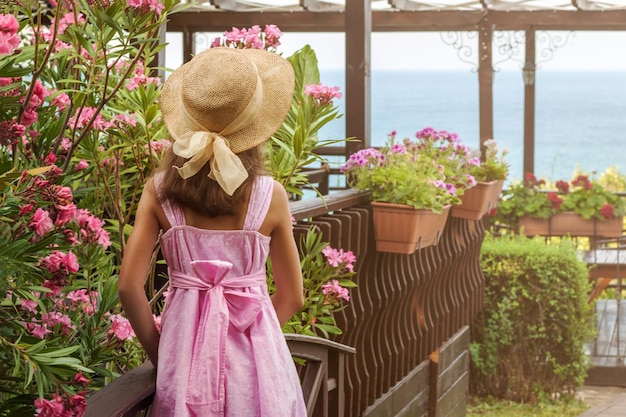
<point>203,194</point>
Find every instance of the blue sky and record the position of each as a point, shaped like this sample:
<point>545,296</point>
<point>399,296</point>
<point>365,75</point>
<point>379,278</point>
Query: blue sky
<point>584,50</point>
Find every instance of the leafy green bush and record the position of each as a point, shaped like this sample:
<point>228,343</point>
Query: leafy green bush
<point>527,344</point>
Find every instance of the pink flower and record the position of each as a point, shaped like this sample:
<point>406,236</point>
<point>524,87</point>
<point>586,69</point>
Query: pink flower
<point>9,24</point>
<point>50,408</point>
<point>83,164</point>
<point>29,305</point>
<point>65,213</point>
<point>160,146</point>
<point>80,379</point>
<point>29,116</point>
<point>83,115</point>
<point>272,36</point>
<point>121,328</point>
<point>61,101</point>
<point>322,94</point>
<point>78,405</point>
<point>332,256</point>
<point>9,39</point>
<point>41,222</point>
<point>58,261</point>
<point>38,330</point>
<point>335,290</point>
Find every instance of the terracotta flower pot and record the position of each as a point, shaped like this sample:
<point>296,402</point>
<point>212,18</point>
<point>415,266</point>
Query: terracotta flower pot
<point>570,223</point>
<point>402,229</point>
<point>478,200</point>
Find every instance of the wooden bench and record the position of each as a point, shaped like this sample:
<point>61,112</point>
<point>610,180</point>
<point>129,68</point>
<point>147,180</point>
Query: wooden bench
<point>322,380</point>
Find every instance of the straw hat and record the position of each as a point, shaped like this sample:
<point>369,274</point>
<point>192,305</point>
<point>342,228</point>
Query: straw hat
<point>216,86</point>
<point>222,102</point>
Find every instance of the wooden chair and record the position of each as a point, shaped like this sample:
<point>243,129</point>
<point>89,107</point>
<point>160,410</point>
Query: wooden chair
<point>322,379</point>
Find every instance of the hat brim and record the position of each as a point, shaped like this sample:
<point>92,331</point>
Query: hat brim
<point>278,80</point>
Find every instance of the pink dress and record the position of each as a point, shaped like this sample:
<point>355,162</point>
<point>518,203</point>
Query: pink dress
<point>222,352</point>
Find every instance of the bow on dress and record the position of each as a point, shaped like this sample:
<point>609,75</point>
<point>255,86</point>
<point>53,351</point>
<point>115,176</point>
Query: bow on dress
<point>223,303</point>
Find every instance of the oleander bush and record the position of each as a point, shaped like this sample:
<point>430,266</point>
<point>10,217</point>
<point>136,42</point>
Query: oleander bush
<point>528,342</point>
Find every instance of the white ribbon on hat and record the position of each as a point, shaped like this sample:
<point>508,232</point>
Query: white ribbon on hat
<point>202,146</point>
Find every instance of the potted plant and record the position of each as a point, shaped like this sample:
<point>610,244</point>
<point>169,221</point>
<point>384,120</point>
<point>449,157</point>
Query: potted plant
<point>580,207</point>
<point>411,194</point>
<point>489,174</point>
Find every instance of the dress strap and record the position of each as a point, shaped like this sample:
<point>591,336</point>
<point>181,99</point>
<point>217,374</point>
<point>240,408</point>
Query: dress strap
<point>174,215</point>
<point>259,204</point>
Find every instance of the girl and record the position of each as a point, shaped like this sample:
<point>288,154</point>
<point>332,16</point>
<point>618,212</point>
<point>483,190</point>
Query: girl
<point>221,351</point>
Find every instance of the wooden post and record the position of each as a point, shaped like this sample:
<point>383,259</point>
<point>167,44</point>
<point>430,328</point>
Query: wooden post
<point>529,103</point>
<point>485,83</point>
<point>358,32</point>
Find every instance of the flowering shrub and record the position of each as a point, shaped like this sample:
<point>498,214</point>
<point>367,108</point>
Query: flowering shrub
<point>79,131</point>
<point>428,173</point>
<point>293,146</point>
<point>326,272</point>
<point>581,195</point>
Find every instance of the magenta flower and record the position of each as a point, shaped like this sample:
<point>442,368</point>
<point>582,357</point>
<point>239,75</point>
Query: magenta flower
<point>41,222</point>
<point>322,94</point>
<point>59,262</point>
<point>61,101</point>
<point>50,408</point>
<point>272,36</point>
<point>38,330</point>
<point>9,39</point>
<point>335,290</point>
<point>120,327</point>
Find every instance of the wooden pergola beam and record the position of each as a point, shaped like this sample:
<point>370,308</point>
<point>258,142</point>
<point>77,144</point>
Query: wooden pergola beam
<point>402,21</point>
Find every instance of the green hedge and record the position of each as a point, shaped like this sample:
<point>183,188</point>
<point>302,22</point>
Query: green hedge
<point>527,344</point>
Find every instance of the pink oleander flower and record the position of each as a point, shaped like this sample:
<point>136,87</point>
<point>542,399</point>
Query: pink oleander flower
<point>55,318</point>
<point>83,115</point>
<point>29,116</point>
<point>9,39</point>
<point>322,94</point>
<point>272,35</point>
<point>28,305</point>
<point>38,330</point>
<point>335,290</point>
<point>339,258</point>
<point>65,214</point>
<point>92,228</point>
<point>80,379</point>
<point>41,222</point>
<point>60,262</point>
<point>50,408</point>
<point>160,146</point>
<point>83,164</point>
<point>61,101</point>
<point>120,327</point>
<point>146,5</point>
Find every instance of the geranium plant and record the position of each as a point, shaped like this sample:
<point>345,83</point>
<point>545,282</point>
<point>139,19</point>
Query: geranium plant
<point>493,166</point>
<point>326,273</point>
<point>430,172</point>
<point>534,198</point>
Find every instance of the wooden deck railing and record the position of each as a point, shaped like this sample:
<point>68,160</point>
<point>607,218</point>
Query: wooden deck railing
<point>407,318</point>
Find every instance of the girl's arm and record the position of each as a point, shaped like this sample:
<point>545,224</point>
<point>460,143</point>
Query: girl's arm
<point>134,271</point>
<point>288,298</point>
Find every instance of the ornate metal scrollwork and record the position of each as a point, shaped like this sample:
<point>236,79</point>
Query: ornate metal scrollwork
<point>548,42</point>
<point>508,45</point>
<point>460,42</point>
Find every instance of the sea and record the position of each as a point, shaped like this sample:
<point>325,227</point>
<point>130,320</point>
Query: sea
<point>580,123</point>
